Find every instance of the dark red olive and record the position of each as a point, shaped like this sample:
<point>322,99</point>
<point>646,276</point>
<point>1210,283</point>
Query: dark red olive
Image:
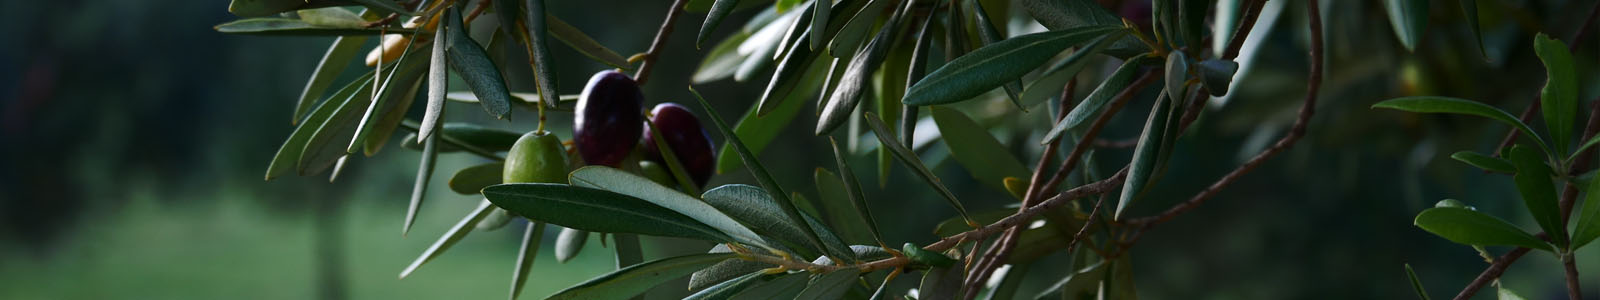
<point>608,116</point>
<point>688,140</point>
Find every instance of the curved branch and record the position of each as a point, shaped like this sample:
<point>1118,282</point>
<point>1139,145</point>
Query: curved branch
<point>659,42</point>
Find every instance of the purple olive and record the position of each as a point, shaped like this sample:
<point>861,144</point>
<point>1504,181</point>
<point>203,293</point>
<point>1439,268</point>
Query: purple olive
<point>688,140</point>
<point>608,116</point>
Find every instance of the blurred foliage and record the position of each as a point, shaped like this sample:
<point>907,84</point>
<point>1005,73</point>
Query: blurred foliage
<point>134,136</point>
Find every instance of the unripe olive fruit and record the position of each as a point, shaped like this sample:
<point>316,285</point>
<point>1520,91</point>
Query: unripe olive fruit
<point>536,157</point>
<point>657,173</point>
<point>607,126</point>
<point>689,142</point>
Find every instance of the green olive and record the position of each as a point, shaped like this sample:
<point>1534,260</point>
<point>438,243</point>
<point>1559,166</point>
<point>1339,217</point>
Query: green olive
<point>536,157</point>
<point>658,173</point>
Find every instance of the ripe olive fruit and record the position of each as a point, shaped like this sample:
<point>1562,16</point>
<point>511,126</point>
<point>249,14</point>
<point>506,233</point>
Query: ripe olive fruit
<point>689,142</point>
<point>607,125</point>
<point>536,157</point>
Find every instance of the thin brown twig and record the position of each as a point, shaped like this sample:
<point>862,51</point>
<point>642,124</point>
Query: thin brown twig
<point>660,42</point>
<point>990,261</point>
<point>1122,99</point>
<point>1247,22</point>
<point>1307,109</point>
<point>482,6</point>
<point>1493,272</point>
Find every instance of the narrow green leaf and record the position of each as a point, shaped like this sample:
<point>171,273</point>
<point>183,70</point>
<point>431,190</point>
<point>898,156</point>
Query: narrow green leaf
<point>1216,75</point>
<point>438,82</point>
<point>1469,9</point>
<point>722,61</point>
<point>853,32</point>
<point>597,210</point>
<point>262,8</point>
<point>455,234</point>
<point>544,66</point>
<point>620,181</point>
<point>525,257</point>
<point>989,161</point>
<point>584,44</point>
<point>1119,284</point>
<point>941,283</point>
<point>384,6</point>
<point>1436,104</point>
<point>889,84</point>
<point>1055,78</point>
<point>713,18</point>
<point>755,208</point>
<point>473,135</point>
<point>298,27</point>
<point>393,113</point>
<point>847,94</point>
<point>852,188</point>
<point>1559,98</point>
<point>1538,192</point>
<point>639,278</point>
<point>833,197</point>
<point>675,171</point>
<point>1097,100</point>
<point>1588,219</point>
<point>754,165</point>
<point>1147,155</point>
<point>726,270</point>
<point>1081,284</point>
<point>324,147</point>
<point>1073,14</point>
<point>1409,19</point>
<point>390,102</point>
<point>830,285</point>
<point>1469,227</point>
<point>472,180</point>
<point>784,286</point>
<point>727,289</point>
<point>1007,289</point>
<point>993,65</point>
<point>1485,162</point>
<point>288,156</point>
<point>819,23</point>
<point>497,218</point>
<point>1416,284</point>
<point>469,60</point>
<point>758,131</point>
<point>989,35</point>
<point>569,243</point>
<point>861,252</point>
<point>795,63</point>
<point>911,161</point>
<point>419,189</point>
<point>794,32</point>
<point>339,55</point>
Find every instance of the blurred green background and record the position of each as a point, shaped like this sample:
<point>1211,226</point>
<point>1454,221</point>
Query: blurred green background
<point>133,138</point>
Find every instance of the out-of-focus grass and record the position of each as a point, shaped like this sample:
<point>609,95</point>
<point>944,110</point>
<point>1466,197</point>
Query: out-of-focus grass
<point>226,248</point>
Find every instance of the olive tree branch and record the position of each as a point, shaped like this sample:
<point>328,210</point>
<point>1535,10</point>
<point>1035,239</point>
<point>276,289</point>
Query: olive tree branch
<point>990,263</point>
<point>1527,114</point>
<point>1569,193</point>
<point>1022,217</point>
<point>1008,242</point>
<point>1307,109</point>
<point>659,43</point>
